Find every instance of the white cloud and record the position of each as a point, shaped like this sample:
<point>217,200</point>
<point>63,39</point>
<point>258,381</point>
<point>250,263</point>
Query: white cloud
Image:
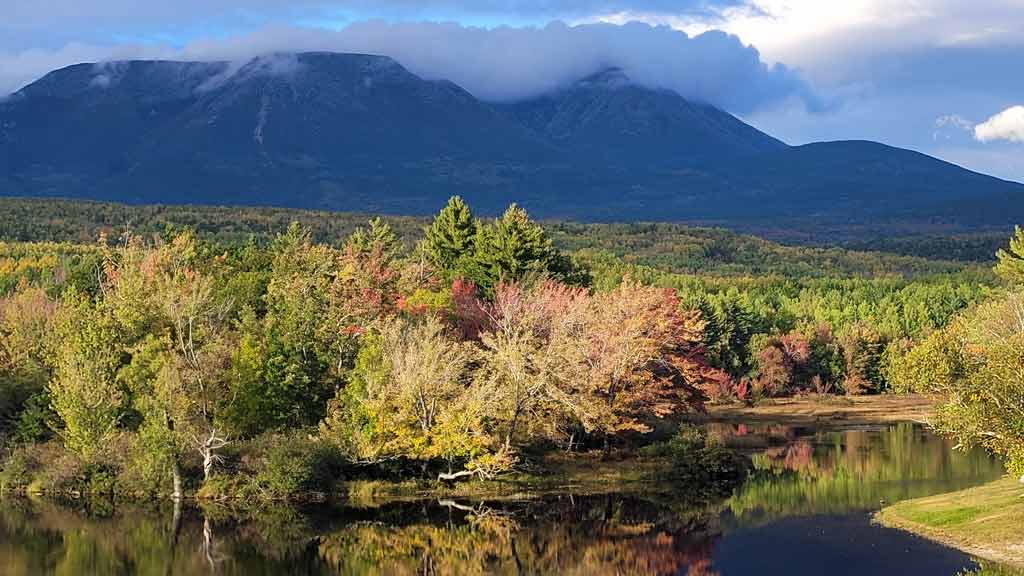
<point>1008,125</point>
<point>834,42</point>
<point>956,122</point>
<point>508,63</point>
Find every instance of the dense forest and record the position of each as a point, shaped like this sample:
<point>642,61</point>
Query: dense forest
<point>668,247</point>
<point>154,350</point>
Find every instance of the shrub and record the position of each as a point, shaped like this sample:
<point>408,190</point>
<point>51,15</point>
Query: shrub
<point>295,466</point>
<point>706,468</point>
<point>228,486</point>
<point>16,473</point>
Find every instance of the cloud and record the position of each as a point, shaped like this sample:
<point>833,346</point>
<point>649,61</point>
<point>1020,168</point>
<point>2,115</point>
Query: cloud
<point>955,122</point>
<point>509,63</point>
<point>22,15</point>
<point>1008,126</point>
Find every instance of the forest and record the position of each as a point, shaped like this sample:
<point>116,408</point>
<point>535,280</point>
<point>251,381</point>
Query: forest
<point>268,354</point>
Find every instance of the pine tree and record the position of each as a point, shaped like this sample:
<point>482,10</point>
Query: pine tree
<point>379,237</point>
<point>513,248</point>
<point>451,237</point>
<point>1011,262</point>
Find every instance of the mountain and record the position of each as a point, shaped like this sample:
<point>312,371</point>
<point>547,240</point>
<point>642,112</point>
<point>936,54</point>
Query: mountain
<point>606,118</point>
<point>360,132</point>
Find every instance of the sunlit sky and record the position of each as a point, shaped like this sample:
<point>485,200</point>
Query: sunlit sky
<point>945,77</point>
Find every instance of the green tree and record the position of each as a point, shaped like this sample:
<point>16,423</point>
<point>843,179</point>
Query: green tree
<point>196,379</point>
<point>982,376</point>
<point>514,248</point>
<point>26,320</point>
<point>377,237</point>
<point>450,238</point>
<point>862,351</point>
<point>84,391</point>
<point>1010,265</point>
<point>284,366</point>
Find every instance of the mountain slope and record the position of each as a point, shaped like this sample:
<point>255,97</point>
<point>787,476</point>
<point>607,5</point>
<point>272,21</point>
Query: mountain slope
<point>360,132</point>
<point>606,118</point>
<point>864,178</point>
<point>310,129</point>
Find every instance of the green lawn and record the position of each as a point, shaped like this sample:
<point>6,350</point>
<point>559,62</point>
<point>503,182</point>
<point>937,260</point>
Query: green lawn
<point>987,521</point>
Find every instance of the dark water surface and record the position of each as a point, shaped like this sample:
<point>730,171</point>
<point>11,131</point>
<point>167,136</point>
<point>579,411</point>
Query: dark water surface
<point>806,510</point>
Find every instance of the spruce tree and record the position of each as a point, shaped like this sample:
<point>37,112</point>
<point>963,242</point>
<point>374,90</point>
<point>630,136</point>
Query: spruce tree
<point>379,236</point>
<point>514,247</point>
<point>450,238</point>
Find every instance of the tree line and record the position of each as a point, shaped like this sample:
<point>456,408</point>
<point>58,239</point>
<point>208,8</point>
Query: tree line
<point>155,362</point>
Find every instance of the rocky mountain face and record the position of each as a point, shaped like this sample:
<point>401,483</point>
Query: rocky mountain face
<point>360,132</point>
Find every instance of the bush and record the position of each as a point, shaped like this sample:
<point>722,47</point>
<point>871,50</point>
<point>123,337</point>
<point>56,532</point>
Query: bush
<point>295,466</point>
<point>704,467</point>
<point>16,473</point>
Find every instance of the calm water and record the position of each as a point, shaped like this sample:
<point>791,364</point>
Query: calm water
<point>806,511</point>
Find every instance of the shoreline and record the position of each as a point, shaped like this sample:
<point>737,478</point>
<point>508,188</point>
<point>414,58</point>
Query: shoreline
<point>825,410</point>
<point>585,472</point>
<point>984,521</point>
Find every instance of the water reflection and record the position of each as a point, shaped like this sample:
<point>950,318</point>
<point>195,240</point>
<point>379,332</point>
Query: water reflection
<point>803,471</point>
<point>800,475</point>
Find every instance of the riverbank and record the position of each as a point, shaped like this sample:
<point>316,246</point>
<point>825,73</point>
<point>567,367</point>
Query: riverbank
<point>553,473</point>
<point>826,409</point>
<point>984,521</point>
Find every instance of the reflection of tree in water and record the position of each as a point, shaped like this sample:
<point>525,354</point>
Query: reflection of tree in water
<point>799,473</point>
<point>46,538</point>
<point>855,470</point>
<point>583,535</point>
<point>587,535</point>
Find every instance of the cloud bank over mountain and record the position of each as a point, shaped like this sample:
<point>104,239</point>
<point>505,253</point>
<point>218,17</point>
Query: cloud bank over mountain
<point>509,63</point>
<point>879,69</point>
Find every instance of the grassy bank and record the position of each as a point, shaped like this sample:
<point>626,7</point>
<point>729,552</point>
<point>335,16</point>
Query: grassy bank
<point>983,521</point>
<point>825,409</point>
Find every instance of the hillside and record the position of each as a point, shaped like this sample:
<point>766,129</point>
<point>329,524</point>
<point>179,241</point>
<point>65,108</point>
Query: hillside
<point>361,133</point>
<point>673,248</point>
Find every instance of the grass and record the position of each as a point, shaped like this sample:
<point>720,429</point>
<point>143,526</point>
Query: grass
<point>984,521</point>
<point>827,409</point>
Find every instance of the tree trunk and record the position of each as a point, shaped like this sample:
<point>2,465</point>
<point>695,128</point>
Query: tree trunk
<point>208,459</point>
<point>455,476</point>
<point>515,555</point>
<point>512,429</point>
<point>176,480</point>
<point>208,450</point>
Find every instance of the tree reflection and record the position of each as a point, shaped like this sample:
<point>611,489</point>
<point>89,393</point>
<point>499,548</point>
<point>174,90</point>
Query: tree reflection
<point>853,471</point>
<point>798,472</point>
<point>588,535</point>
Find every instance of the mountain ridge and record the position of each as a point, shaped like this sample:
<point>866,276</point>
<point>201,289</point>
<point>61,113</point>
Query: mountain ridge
<point>360,132</point>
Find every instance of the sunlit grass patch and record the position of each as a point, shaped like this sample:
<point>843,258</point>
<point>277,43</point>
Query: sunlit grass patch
<point>985,520</point>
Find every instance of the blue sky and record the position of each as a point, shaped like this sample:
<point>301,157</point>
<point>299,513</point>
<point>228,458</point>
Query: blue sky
<point>940,76</point>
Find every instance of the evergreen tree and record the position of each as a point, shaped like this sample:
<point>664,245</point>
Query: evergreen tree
<point>450,238</point>
<point>378,237</point>
<point>1011,262</point>
<point>512,248</point>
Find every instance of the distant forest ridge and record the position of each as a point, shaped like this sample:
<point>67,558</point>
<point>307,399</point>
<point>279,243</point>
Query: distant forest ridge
<point>667,247</point>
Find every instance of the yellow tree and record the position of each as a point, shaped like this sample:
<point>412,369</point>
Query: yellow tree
<point>409,395</point>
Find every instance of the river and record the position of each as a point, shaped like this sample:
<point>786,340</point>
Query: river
<point>805,510</point>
